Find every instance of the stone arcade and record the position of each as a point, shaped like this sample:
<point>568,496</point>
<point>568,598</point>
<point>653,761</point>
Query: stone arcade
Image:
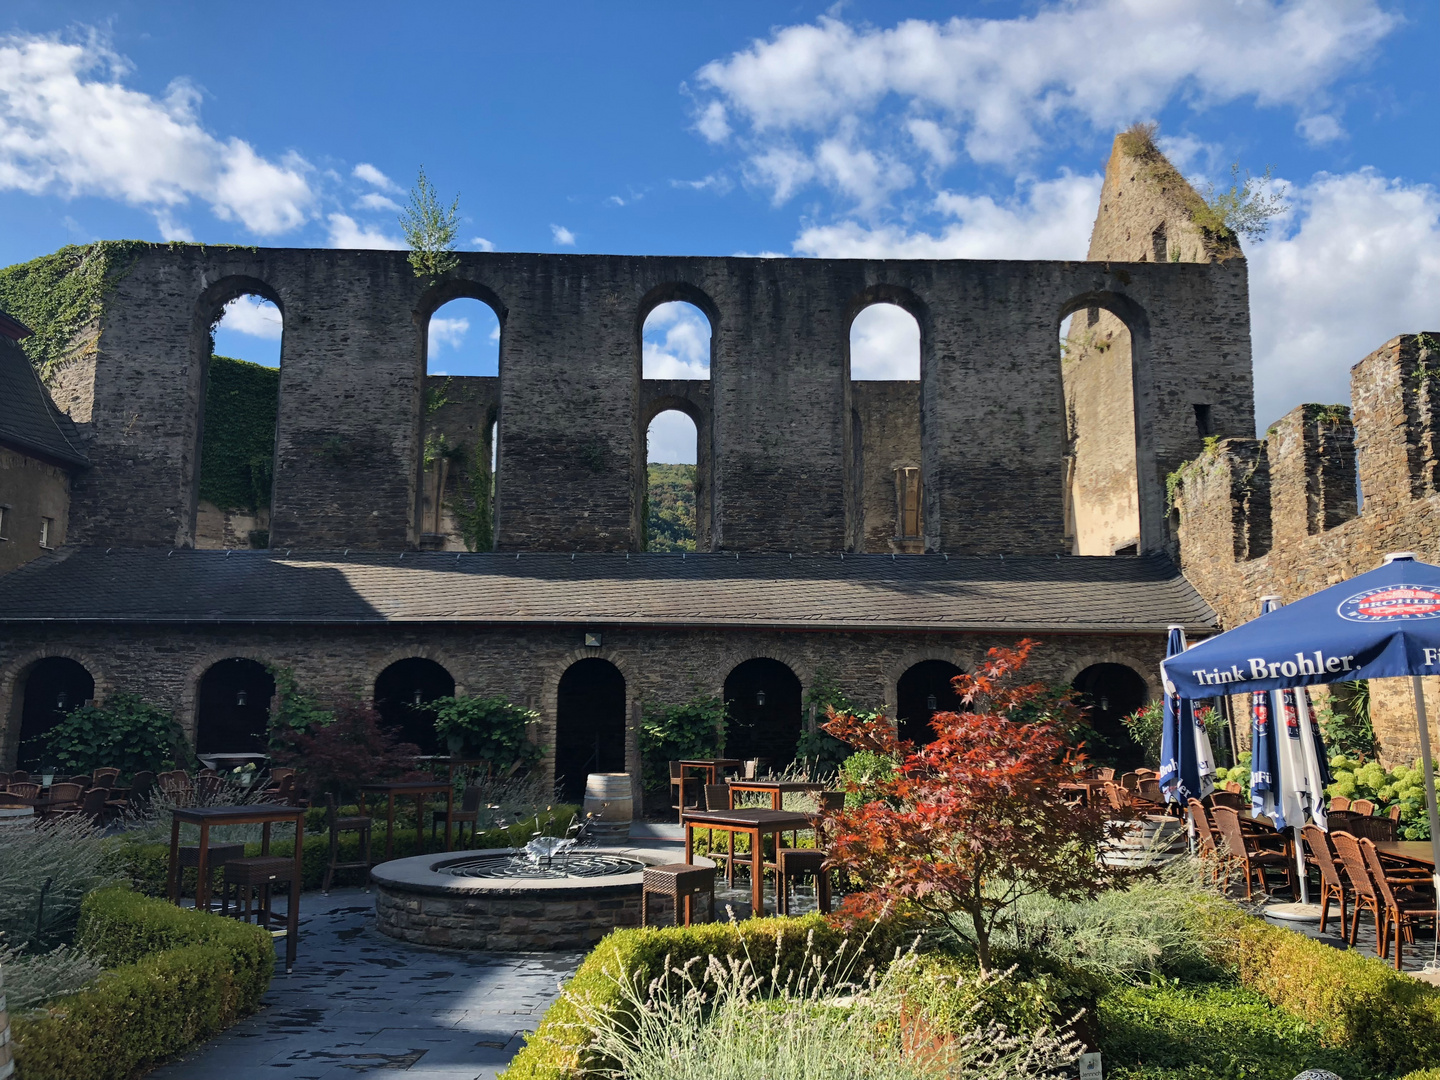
<point>1041,470</point>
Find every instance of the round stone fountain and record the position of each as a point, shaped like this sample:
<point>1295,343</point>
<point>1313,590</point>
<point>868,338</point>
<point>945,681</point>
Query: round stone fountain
<point>553,895</point>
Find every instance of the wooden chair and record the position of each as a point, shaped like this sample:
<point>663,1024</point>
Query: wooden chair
<point>682,883</point>
<point>355,824</point>
<point>1205,843</point>
<point>468,812</point>
<point>25,789</point>
<point>1408,898</point>
<point>65,799</point>
<point>1321,855</point>
<point>1364,807</point>
<point>1249,855</point>
<point>1227,798</point>
<point>1149,791</point>
<point>1234,787</point>
<point>1339,803</point>
<point>685,785</point>
<point>793,864</point>
<point>1130,780</point>
<point>105,777</point>
<point>1362,885</point>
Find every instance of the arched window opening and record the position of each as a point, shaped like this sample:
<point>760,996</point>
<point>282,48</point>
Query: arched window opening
<point>925,689</point>
<point>54,687</point>
<point>675,342</point>
<point>233,713</point>
<point>885,431</point>
<point>1101,492</point>
<point>884,344</point>
<point>237,444</point>
<point>402,692</point>
<point>672,483</point>
<point>1109,693</point>
<point>462,394</point>
<point>762,712</point>
<point>589,725</point>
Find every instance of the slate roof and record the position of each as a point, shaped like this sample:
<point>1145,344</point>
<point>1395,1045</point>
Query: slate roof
<point>28,420</point>
<point>915,592</point>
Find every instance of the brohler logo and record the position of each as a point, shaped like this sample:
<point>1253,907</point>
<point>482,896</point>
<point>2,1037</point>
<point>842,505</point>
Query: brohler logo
<point>1392,603</point>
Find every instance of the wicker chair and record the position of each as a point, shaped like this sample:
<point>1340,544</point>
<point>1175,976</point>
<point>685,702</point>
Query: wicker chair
<point>1149,791</point>
<point>1130,780</point>
<point>81,780</point>
<point>682,883</point>
<point>1408,898</point>
<point>1249,854</point>
<point>24,789</point>
<point>249,879</point>
<point>1364,807</point>
<point>338,824</point>
<point>1339,803</point>
<point>1105,773</point>
<point>685,785</point>
<point>1362,884</point>
<point>19,776</point>
<point>1321,855</point>
<point>1227,798</point>
<point>65,799</point>
<point>215,858</point>
<point>175,785</point>
<point>1234,787</point>
<point>1206,844</point>
<point>1372,828</point>
<point>1393,813</point>
<point>105,777</point>
<point>141,787</point>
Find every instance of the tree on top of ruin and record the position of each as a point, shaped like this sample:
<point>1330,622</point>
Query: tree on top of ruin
<point>430,229</point>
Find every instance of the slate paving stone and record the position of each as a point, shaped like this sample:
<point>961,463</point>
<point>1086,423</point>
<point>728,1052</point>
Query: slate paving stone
<point>363,1005</point>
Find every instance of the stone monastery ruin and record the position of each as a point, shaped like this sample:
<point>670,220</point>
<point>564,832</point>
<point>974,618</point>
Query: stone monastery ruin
<point>885,533</point>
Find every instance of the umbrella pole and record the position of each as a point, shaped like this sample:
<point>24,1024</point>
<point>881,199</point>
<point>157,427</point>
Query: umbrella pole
<point>1300,865</point>
<point>1429,767</point>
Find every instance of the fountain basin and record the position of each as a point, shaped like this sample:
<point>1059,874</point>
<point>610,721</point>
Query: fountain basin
<point>488,900</point>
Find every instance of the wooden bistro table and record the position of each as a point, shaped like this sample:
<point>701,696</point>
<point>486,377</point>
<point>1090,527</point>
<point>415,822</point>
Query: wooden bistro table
<point>263,814</point>
<point>419,789</point>
<point>1416,851</point>
<point>756,824</point>
<point>711,767</point>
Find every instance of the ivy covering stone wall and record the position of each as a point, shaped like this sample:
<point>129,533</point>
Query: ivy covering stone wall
<point>238,452</point>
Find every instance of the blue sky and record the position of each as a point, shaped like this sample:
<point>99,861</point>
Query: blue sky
<point>919,129</point>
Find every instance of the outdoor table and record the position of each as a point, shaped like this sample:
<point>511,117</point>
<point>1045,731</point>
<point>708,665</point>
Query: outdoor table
<point>755,824</point>
<point>1416,851</point>
<point>41,804</point>
<point>776,789</point>
<point>419,789</point>
<point>261,814</point>
<point>709,766</point>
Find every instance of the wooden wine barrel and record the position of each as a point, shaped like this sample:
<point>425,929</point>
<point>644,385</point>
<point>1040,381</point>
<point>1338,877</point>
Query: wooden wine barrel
<point>7,1048</point>
<point>1148,841</point>
<point>609,805</point>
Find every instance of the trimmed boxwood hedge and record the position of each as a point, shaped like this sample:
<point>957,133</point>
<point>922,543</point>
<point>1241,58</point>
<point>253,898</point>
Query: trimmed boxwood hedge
<point>148,864</point>
<point>557,1049</point>
<point>174,977</point>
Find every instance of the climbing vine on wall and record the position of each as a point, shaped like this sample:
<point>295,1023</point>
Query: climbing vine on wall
<point>472,507</point>
<point>58,295</point>
<point>238,452</point>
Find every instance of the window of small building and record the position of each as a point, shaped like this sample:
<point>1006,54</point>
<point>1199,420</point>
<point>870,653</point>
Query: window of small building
<point>47,531</point>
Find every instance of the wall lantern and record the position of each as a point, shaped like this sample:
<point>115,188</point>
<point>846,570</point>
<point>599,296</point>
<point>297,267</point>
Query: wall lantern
<point>759,697</point>
<point>592,641</point>
<point>240,697</point>
<point>417,697</point>
<point>60,700</point>
<point>931,703</point>
<point>1104,703</point>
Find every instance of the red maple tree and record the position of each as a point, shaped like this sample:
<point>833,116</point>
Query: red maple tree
<point>974,821</point>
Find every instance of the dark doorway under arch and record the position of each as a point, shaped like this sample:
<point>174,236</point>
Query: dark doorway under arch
<point>922,691</point>
<point>589,724</point>
<point>401,692</point>
<point>233,712</point>
<point>54,687</point>
<point>1108,693</point>
<point>762,712</point>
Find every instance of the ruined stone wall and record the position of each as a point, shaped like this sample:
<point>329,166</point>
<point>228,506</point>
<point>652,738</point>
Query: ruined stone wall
<point>459,411</point>
<point>887,417</point>
<point>164,664</point>
<point>350,427</point>
<point>1279,516</point>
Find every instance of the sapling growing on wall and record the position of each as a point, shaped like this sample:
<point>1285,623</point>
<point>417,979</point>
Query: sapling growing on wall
<point>430,229</point>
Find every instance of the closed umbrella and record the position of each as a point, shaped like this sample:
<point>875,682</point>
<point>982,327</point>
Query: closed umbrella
<point>1187,767</point>
<point>1384,623</point>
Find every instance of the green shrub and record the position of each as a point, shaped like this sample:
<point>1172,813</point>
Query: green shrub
<point>1404,784</point>
<point>862,774</point>
<point>1239,773</point>
<point>125,733</point>
<point>182,976</point>
<point>776,949</point>
<point>146,864</point>
<point>490,729</point>
<point>1358,1003</point>
<point>1210,1032</point>
<point>669,733</point>
<point>45,872</point>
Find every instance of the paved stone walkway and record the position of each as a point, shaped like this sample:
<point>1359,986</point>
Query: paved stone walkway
<point>360,1004</point>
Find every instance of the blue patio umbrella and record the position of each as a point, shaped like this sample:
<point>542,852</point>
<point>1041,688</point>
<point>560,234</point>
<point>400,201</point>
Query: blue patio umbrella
<point>1187,768</point>
<point>1383,624</point>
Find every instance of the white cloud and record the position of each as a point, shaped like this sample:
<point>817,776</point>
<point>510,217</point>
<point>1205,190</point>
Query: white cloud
<point>615,200</point>
<point>1361,266</point>
<point>717,182</point>
<point>1320,128</point>
<point>253,316</point>
<point>1045,220</point>
<point>447,333</point>
<point>373,200</point>
<point>562,235</point>
<point>884,344</point>
<point>1002,88</point>
<point>346,232</point>
<point>671,439</point>
<point>481,244</point>
<point>69,126</point>
<point>675,343</point>
<point>375,178</point>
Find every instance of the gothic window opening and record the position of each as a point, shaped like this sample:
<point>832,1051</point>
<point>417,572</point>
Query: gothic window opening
<point>1159,246</point>
<point>668,514</point>
<point>675,342</point>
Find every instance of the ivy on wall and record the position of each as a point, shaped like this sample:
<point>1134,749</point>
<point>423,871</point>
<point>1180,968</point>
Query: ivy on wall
<point>58,295</point>
<point>238,452</point>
